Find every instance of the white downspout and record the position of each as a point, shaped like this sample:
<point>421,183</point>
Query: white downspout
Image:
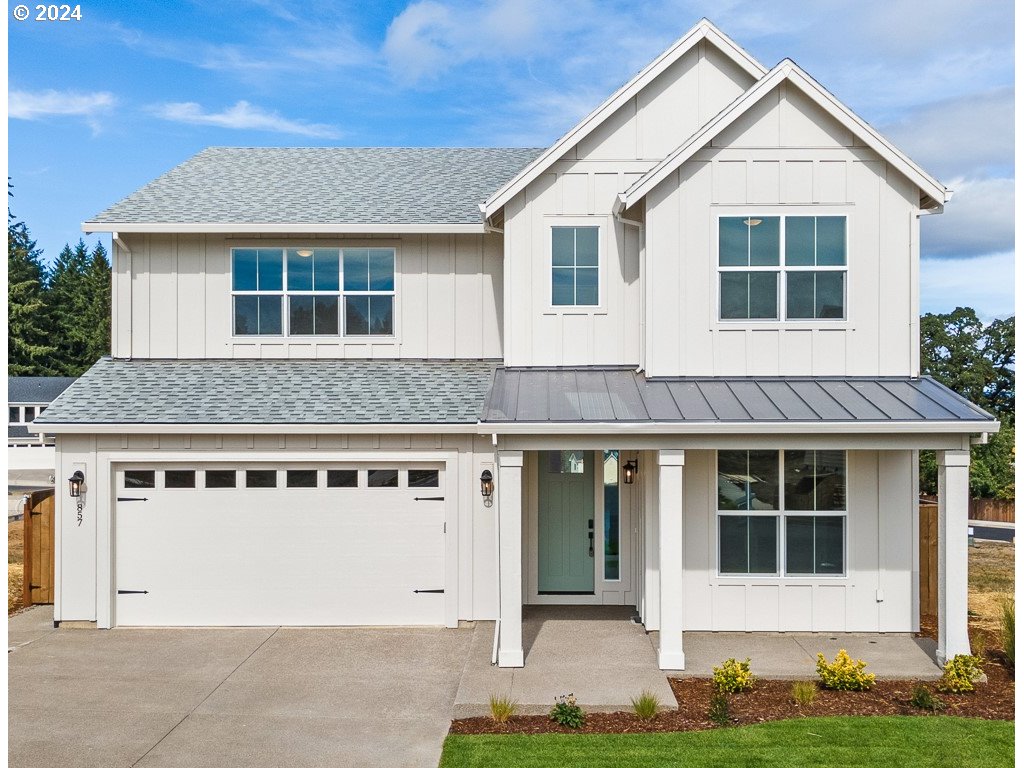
<point>131,294</point>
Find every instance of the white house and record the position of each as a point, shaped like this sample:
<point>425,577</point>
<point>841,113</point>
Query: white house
<point>669,362</point>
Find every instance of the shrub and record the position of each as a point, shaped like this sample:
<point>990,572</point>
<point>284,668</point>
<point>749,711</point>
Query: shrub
<point>733,676</point>
<point>502,708</point>
<point>922,698</point>
<point>960,674</point>
<point>804,692</point>
<point>567,712</point>
<point>1008,621</point>
<point>718,712</point>
<point>645,706</point>
<point>844,674</point>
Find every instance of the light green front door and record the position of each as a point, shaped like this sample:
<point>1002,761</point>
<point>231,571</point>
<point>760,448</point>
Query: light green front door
<point>565,523</point>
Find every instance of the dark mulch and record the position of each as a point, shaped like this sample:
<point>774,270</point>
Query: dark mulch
<point>771,700</point>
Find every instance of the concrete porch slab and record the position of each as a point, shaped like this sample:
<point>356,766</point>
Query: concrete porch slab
<point>792,655</point>
<point>594,652</point>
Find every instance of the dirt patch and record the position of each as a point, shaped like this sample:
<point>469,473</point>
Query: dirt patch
<point>990,581</point>
<point>15,567</point>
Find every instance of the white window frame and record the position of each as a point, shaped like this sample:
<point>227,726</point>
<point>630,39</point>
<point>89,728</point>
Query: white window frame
<point>780,270</point>
<point>393,293</point>
<point>780,515</point>
<point>598,222</point>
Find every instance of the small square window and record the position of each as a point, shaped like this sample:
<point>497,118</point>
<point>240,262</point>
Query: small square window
<point>13,415</point>
<point>261,478</point>
<point>139,478</point>
<point>342,478</point>
<point>382,478</point>
<point>221,478</point>
<point>301,478</point>
<point>30,414</point>
<point>424,478</point>
<point>180,478</point>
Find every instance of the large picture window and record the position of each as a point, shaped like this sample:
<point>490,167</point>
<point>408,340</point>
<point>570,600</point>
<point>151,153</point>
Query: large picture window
<point>804,492</point>
<point>782,267</point>
<point>313,291</point>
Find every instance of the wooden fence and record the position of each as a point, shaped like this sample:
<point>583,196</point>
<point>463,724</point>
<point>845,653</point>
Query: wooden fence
<point>990,510</point>
<point>38,545</point>
<point>929,557</point>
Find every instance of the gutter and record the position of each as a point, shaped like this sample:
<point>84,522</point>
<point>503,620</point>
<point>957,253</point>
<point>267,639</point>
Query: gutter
<point>718,428</point>
<point>294,228</point>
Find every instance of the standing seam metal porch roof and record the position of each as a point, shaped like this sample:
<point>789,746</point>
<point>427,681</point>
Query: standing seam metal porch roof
<point>564,395</point>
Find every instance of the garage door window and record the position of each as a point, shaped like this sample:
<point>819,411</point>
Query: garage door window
<point>342,478</point>
<point>180,478</point>
<point>301,478</point>
<point>261,478</point>
<point>220,478</point>
<point>139,478</point>
<point>423,478</point>
<point>382,478</point>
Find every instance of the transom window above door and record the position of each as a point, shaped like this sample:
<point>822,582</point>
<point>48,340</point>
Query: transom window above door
<point>782,267</point>
<point>313,291</point>
<point>575,266</point>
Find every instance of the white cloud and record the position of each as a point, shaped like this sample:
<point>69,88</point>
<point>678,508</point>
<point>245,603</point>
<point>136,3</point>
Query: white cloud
<point>982,282</point>
<point>26,105</point>
<point>978,220</point>
<point>243,116</point>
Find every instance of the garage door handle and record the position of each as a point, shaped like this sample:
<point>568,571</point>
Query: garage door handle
<point>130,498</point>
<point>428,498</point>
<point>133,591</point>
<point>428,591</point>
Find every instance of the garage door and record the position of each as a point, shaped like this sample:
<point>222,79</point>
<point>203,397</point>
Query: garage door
<point>244,545</point>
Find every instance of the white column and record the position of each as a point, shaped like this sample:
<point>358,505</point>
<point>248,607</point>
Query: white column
<point>954,468</point>
<point>510,558</point>
<point>670,558</point>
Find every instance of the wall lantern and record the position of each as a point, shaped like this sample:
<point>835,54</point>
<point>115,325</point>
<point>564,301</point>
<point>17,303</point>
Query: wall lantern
<point>75,484</point>
<point>629,471</point>
<point>487,487</point>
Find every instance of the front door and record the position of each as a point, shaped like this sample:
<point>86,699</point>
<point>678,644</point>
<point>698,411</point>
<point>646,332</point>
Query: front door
<point>565,523</point>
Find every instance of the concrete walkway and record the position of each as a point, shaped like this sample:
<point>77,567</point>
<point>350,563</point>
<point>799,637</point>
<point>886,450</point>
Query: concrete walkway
<point>595,652</point>
<point>792,655</point>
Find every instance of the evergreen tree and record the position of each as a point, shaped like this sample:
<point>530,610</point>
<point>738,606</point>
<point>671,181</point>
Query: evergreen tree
<point>96,320</point>
<point>29,352</point>
<point>69,303</point>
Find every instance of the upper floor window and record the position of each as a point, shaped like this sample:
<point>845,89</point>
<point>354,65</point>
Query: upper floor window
<point>301,291</point>
<point>574,266</point>
<point>770,263</point>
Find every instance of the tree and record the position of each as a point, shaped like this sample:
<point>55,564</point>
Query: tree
<point>79,305</point>
<point>96,319</point>
<point>29,352</point>
<point>976,361</point>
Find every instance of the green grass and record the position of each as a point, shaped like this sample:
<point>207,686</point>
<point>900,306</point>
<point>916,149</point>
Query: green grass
<point>907,742</point>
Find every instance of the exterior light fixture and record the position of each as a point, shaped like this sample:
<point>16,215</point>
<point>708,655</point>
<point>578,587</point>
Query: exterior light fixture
<point>305,252</point>
<point>748,222</point>
<point>487,487</point>
<point>629,471</point>
<point>75,484</point>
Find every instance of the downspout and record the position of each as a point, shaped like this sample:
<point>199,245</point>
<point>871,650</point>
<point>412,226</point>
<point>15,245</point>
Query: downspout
<point>641,248</point>
<point>131,304</point>
<point>497,566</point>
<point>486,222</point>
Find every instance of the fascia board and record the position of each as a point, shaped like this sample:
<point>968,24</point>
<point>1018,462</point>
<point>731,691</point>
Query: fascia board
<point>737,428</point>
<point>157,428</point>
<point>703,29</point>
<point>294,228</point>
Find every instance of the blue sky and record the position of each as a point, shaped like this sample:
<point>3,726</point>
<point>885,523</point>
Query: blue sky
<point>101,106</point>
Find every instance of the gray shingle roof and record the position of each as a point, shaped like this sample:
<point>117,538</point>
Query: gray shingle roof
<point>275,392</point>
<point>36,389</point>
<point>622,395</point>
<point>323,185</point>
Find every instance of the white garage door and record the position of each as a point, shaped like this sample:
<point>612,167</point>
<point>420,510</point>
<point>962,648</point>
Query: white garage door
<point>240,545</point>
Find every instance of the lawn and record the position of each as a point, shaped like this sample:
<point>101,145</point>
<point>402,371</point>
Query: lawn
<point>851,742</point>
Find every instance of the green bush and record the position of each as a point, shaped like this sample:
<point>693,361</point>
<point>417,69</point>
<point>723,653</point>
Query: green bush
<point>960,674</point>
<point>502,708</point>
<point>718,712</point>
<point>804,692</point>
<point>1008,622</point>
<point>567,712</point>
<point>645,706</point>
<point>922,698</point>
<point>732,677</point>
<point>844,674</point>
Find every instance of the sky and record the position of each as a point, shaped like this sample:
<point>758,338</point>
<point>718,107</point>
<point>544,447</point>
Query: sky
<point>99,107</point>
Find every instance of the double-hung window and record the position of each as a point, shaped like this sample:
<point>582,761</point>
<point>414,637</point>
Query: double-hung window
<point>782,267</point>
<point>801,491</point>
<point>313,291</point>
<point>574,266</point>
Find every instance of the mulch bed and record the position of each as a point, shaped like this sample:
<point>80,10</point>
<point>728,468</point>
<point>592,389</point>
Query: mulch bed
<point>771,700</point>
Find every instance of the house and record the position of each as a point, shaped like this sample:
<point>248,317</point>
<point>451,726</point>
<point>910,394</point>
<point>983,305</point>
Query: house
<point>27,398</point>
<point>365,386</point>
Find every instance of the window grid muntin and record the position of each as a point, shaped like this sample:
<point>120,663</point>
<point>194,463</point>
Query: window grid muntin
<point>781,515</point>
<point>782,269</point>
<point>284,293</point>
<point>574,268</point>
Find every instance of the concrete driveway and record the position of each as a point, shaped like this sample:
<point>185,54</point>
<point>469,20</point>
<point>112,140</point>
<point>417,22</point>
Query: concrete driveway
<point>229,697</point>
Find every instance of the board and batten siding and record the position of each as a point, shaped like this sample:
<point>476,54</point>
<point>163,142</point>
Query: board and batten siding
<point>176,300</point>
<point>580,189</point>
<point>784,157</point>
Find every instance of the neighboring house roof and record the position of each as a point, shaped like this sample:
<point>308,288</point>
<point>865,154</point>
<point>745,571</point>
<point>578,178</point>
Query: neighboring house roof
<point>19,430</point>
<point>787,71</point>
<point>621,395</point>
<point>703,30</point>
<point>36,389</point>
<point>263,189</point>
<point>285,392</point>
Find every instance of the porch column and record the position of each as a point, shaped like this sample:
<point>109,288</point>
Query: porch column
<point>670,558</point>
<point>954,467</point>
<point>510,558</point>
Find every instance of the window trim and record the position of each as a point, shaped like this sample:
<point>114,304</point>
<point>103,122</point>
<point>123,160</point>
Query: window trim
<point>780,515</point>
<point>284,293</point>
<point>598,222</point>
<point>781,270</point>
